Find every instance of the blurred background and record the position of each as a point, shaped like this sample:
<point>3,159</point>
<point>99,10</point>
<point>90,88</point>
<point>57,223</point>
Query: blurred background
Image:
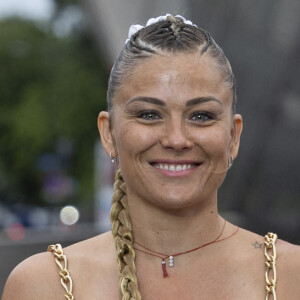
<point>55,58</point>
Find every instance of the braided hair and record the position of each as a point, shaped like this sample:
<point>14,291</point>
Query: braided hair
<point>122,232</point>
<point>171,35</point>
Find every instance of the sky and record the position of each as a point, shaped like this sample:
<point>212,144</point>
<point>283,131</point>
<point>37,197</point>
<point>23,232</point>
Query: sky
<point>29,9</point>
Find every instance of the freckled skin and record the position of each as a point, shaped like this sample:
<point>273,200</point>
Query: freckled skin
<point>175,80</point>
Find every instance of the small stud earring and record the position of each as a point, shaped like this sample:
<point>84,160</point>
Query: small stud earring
<point>230,162</point>
<point>112,158</point>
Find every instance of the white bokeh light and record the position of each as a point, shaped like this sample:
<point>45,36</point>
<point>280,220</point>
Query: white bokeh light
<point>69,215</point>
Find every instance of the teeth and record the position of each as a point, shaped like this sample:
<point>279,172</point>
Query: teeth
<point>178,168</point>
<point>174,168</point>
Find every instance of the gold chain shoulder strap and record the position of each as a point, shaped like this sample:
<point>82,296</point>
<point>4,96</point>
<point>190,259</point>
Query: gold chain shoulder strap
<point>270,255</point>
<point>61,261</point>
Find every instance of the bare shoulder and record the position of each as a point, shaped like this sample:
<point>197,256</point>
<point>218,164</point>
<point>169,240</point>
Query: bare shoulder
<point>34,278</point>
<point>288,265</point>
<point>88,262</point>
<point>288,251</point>
<point>288,258</point>
<point>98,251</point>
<point>93,267</point>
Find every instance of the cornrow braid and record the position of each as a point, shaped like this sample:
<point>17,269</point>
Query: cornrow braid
<point>176,25</point>
<point>208,41</point>
<point>122,233</point>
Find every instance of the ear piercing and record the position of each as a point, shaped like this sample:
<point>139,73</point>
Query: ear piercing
<point>112,158</point>
<point>230,162</point>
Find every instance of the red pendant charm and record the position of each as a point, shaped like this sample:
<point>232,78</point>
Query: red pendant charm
<point>164,268</point>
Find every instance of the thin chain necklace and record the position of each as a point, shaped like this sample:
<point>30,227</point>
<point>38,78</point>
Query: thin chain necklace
<point>164,256</point>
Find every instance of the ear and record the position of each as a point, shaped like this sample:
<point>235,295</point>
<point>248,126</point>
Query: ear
<point>236,132</point>
<point>105,133</point>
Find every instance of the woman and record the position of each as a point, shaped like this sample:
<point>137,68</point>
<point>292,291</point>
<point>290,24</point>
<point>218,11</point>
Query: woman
<point>171,126</point>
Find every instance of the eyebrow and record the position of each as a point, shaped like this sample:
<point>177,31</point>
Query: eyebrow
<point>199,100</point>
<point>148,100</point>
<point>190,102</point>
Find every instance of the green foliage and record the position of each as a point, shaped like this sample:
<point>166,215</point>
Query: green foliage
<point>64,3</point>
<point>49,88</point>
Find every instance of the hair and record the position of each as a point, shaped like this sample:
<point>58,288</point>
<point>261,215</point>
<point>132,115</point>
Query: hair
<point>165,37</point>
<point>172,35</point>
<point>122,232</point>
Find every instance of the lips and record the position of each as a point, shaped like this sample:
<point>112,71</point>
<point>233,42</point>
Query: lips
<point>175,167</point>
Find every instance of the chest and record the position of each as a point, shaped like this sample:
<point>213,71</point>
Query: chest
<point>219,278</point>
<point>189,288</point>
<point>221,283</point>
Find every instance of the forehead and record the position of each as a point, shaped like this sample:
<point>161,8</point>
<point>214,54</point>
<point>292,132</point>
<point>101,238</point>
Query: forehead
<point>184,76</point>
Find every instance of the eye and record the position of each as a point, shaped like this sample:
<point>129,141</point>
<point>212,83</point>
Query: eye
<point>202,116</point>
<point>149,115</point>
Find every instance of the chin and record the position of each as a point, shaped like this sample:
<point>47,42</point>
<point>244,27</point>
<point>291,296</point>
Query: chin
<point>176,202</point>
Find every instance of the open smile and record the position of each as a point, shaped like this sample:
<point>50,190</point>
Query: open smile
<point>175,169</point>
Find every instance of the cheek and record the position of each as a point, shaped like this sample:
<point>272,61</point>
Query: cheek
<point>133,138</point>
<point>215,141</point>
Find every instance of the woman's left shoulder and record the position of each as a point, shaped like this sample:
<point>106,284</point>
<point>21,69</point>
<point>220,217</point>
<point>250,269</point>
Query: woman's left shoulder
<point>288,255</point>
<point>287,267</point>
<point>287,249</point>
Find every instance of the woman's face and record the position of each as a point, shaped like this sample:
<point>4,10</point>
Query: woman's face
<point>173,130</point>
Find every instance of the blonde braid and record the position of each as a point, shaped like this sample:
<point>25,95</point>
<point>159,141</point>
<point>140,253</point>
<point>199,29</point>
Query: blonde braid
<point>122,233</point>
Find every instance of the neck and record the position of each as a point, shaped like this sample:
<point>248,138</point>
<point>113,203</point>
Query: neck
<point>174,231</point>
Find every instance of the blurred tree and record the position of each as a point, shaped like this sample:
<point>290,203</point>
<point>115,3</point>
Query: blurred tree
<point>50,88</point>
<point>63,3</point>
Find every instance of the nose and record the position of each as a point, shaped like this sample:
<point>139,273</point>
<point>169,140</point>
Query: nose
<point>175,136</point>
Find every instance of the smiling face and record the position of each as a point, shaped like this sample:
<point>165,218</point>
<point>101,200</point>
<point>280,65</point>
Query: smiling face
<point>173,130</point>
